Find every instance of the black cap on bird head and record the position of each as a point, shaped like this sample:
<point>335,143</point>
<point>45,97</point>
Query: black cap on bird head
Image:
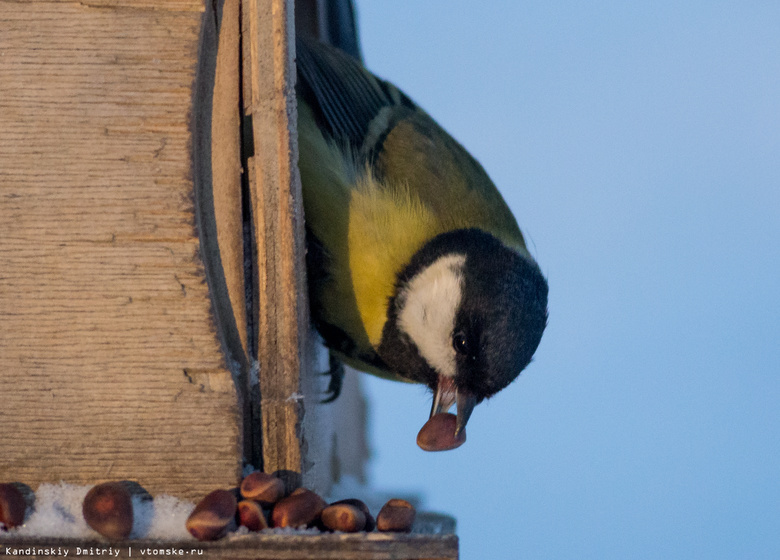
<point>466,318</point>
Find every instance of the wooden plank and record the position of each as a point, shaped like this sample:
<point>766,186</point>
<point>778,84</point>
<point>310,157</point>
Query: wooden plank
<point>110,362</point>
<point>299,434</point>
<point>256,547</point>
<point>433,538</point>
<point>219,200</point>
<point>282,307</point>
<point>226,166</point>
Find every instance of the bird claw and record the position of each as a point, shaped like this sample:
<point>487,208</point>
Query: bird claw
<point>336,373</point>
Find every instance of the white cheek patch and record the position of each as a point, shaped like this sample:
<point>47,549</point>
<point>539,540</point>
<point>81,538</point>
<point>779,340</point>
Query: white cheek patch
<point>428,307</point>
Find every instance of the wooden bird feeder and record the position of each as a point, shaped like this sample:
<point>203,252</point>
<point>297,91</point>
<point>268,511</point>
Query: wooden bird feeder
<point>153,313</point>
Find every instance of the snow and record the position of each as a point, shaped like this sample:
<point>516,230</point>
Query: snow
<point>168,518</point>
<point>57,513</point>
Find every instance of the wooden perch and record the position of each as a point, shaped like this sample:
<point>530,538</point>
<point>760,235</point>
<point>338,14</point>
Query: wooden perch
<point>276,209</point>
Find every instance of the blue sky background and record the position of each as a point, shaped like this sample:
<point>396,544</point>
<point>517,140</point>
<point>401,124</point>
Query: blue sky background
<point>639,146</point>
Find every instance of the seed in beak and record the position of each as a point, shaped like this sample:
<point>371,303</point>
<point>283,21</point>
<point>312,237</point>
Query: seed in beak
<point>440,433</point>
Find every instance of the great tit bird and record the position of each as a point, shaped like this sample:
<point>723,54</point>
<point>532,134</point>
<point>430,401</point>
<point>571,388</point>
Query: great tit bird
<point>417,269</point>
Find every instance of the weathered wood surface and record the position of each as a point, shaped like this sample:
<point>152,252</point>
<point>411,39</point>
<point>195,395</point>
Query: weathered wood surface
<point>110,363</point>
<point>433,538</point>
<point>269,105</point>
<point>226,164</point>
<point>303,440</point>
<point>272,547</point>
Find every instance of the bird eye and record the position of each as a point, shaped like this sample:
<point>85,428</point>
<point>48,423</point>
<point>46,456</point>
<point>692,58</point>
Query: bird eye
<point>460,343</point>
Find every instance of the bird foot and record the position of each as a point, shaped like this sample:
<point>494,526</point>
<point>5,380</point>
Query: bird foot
<point>336,373</point>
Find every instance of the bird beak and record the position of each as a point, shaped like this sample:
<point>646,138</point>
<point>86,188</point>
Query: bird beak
<point>446,394</point>
<point>466,403</point>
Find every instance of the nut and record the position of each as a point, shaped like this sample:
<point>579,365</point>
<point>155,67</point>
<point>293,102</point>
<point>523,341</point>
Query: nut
<point>370,521</point>
<point>261,487</point>
<point>396,515</point>
<point>251,516</point>
<point>108,509</point>
<point>438,433</point>
<point>302,507</point>
<point>12,505</point>
<point>213,515</point>
<point>343,517</point>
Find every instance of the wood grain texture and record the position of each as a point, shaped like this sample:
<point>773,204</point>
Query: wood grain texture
<point>166,5</point>
<point>357,546</point>
<point>269,100</point>
<point>432,538</point>
<point>110,363</point>
<point>226,162</point>
<point>216,159</point>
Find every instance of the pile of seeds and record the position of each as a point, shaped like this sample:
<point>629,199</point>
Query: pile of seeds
<point>260,503</point>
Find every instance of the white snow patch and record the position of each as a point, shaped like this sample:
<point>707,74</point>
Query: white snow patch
<point>168,519</point>
<point>57,513</point>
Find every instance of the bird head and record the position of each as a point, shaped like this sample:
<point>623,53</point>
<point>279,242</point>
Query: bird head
<point>466,318</point>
